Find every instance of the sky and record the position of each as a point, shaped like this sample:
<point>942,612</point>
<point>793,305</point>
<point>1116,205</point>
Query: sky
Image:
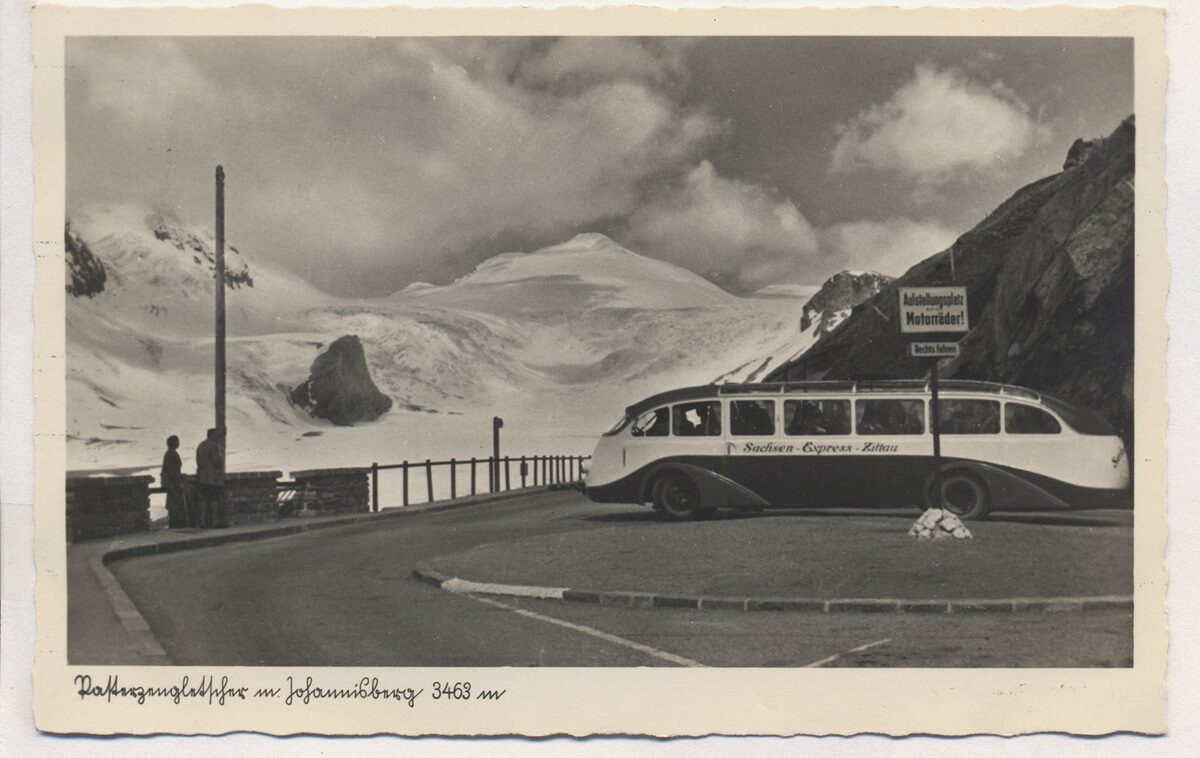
<point>365,164</point>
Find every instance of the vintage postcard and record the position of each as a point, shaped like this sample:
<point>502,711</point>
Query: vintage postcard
<point>511,371</point>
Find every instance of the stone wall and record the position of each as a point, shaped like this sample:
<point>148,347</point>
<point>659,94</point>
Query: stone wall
<point>251,495</point>
<point>106,506</point>
<point>335,489</point>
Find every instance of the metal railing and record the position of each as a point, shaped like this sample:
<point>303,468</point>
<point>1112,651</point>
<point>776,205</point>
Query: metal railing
<point>497,475</point>
<point>486,476</point>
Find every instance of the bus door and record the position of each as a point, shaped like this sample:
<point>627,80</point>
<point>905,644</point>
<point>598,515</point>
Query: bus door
<point>698,434</point>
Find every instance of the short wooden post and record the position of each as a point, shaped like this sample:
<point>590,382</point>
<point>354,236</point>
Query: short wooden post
<point>453,478</point>
<point>375,487</point>
<point>472,476</point>
<point>507,478</point>
<point>428,481</point>
<point>524,471</point>
<point>404,470</point>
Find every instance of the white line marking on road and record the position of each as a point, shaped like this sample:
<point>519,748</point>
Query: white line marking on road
<point>859,649</point>
<point>678,660</point>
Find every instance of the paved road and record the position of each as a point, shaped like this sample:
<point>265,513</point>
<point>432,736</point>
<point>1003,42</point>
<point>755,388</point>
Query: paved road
<point>345,597</point>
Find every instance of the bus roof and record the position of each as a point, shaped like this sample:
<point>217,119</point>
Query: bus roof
<point>1082,420</point>
<point>848,387</point>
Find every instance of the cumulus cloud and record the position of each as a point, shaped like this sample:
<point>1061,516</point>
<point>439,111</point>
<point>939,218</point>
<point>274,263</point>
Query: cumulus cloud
<point>369,162</point>
<point>939,125</point>
<point>890,246</point>
<point>739,234</point>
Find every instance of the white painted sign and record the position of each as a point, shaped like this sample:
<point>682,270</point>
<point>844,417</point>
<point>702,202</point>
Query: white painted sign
<point>933,350</point>
<point>933,309</point>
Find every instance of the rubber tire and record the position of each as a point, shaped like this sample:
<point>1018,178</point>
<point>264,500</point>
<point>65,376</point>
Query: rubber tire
<point>976,503</point>
<point>676,497</point>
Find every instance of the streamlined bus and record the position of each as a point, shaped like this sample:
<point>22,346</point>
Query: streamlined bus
<point>690,451</point>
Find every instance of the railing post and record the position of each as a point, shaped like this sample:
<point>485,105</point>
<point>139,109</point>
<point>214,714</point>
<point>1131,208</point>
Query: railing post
<point>375,487</point>
<point>404,469</point>
<point>472,475</point>
<point>429,480</point>
<point>507,479</point>
<point>524,472</point>
<point>571,469</point>
<point>453,480</point>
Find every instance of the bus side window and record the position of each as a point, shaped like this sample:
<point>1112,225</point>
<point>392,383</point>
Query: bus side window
<point>652,423</point>
<point>890,416</point>
<point>701,419</point>
<point>1025,419</point>
<point>816,417</point>
<point>752,417</point>
<point>969,417</point>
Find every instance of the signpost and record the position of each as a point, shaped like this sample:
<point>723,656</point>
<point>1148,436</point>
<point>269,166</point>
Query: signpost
<point>497,425</point>
<point>941,310</point>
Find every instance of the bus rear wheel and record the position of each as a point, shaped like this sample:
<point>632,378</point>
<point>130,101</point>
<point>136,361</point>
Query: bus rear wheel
<point>676,497</point>
<point>962,494</point>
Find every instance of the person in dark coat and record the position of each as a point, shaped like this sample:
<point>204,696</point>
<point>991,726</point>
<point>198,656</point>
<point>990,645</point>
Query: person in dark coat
<point>171,478</point>
<point>210,479</point>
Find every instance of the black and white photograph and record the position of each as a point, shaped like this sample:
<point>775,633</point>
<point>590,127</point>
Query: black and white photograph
<point>718,351</point>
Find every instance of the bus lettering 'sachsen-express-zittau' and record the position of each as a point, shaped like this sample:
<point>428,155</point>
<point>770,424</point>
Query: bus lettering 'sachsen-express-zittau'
<point>831,444</point>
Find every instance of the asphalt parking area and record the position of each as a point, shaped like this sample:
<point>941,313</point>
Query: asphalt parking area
<point>977,640</point>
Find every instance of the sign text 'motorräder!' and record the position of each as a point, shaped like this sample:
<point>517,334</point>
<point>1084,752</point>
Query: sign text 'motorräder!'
<point>933,309</point>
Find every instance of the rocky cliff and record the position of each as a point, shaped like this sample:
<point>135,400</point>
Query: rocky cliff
<point>340,388</point>
<point>837,297</point>
<point>823,311</point>
<point>1049,276</point>
<point>85,272</point>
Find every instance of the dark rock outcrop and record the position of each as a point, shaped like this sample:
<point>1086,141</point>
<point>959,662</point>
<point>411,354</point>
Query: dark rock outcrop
<point>1049,276</point>
<point>85,272</point>
<point>340,388</point>
<point>168,228</point>
<point>840,293</point>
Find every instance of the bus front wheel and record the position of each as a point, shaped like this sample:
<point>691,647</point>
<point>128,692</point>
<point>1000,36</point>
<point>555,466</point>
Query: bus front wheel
<point>961,493</point>
<point>676,497</point>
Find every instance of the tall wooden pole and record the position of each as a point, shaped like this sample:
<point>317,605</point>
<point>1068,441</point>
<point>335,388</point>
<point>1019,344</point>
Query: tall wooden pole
<point>936,428</point>
<point>219,341</point>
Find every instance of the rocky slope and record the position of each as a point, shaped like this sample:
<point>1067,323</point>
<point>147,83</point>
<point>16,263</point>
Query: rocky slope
<point>824,308</point>
<point>85,272</point>
<point>837,298</point>
<point>1049,276</point>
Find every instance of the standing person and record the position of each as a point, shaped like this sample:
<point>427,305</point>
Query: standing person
<point>210,480</point>
<point>171,478</point>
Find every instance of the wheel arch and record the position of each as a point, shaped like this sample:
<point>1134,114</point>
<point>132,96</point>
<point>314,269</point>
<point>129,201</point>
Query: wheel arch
<point>715,490</point>
<point>1007,491</point>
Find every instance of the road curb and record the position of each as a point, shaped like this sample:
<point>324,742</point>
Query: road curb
<point>135,624</point>
<point>624,599</point>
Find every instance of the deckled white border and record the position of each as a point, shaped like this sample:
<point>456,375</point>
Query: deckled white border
<point>16,450</point>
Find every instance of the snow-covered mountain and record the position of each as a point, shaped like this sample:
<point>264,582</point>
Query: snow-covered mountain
<point>556,341</point>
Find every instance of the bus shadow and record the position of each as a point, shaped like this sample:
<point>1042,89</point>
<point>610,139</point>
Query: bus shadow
<point>1064,519</point>
<point>649,516</point>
